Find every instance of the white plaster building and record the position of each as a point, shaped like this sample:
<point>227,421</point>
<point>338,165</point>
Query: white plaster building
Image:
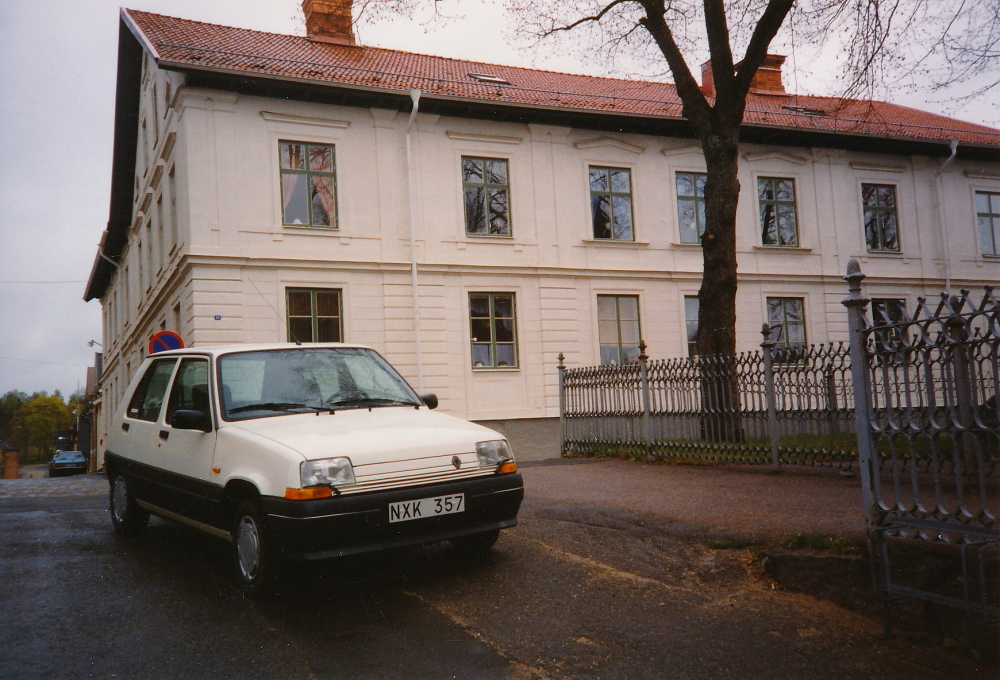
<point>222,231</point>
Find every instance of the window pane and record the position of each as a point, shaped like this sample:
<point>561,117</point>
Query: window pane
<point>503,305</point>
<point>765,190</point>
<point>889,231</point>
<point>321,158</point>
<point>774,315</point>
<point>295,209</point>
<point>475,210</point>
<point>480,330</point>
<point>699,184</point>
<point>479,305</point>
<point>292,156</point>
<point>322,201</point>
<point>622,206</point>
<point>887,196</point>
<point>769,231</point>
<point>995,204</point>
<point>983,202</point>
<point>481,355</point>
<point>871,230</point>
<point>868,194</point>
<point>628,307</point>
<point>786,218</point>
<point>630,353</point>
<point>299,303</point>
<point>607,331</point>
<point>505,355</point>
<point>685,184</point>
<point>472,170</point>
<point>498,212</point>
<point>687,221</point>
<point>786,190</point>
<point>621,180</point>
<point>793,310</point>
<point>300,329</point>
<point>327,303</point>
<point>605,307</point>
<point>630,331</point>
<point>600,207</point>
<point>496,172</point>
<point>609,354</point>
<point>328,329</point>
<point>503,330</point>
<point>598,179</point>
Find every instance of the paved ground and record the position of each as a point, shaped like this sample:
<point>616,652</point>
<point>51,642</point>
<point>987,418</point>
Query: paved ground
<point>605,577</point>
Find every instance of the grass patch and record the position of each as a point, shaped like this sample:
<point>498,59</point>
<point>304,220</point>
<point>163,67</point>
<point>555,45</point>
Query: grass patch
<point>820,542</point>
<point>720,544</point>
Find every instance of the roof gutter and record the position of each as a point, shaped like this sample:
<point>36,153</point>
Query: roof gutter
<point>942,231</point>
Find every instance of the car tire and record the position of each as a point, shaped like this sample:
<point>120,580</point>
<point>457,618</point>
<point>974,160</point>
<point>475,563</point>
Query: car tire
<point>255,561</point>
<point>477,544</point>
<point>126,515</point>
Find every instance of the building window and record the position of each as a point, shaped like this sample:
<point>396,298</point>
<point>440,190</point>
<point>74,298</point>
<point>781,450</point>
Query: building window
<point>881,228</point>
<point>691,205</point>
<point>314,315</point>
<point>691,323</point>
<point>611,203</point>
<point>786,318</point>
<point>776,197</point>
<point>618,328</point>
<point>988,217</point>
<point>887,311</point>
<point>308,185</point>
<point>493,331</point>
<point>486,189</point>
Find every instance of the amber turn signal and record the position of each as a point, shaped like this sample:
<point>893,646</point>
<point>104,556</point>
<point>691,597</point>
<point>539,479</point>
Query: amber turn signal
<point>508,466</point>
<point>308,494</point>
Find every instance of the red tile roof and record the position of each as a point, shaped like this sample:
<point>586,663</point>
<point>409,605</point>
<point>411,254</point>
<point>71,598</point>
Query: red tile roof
<point>209,46</point>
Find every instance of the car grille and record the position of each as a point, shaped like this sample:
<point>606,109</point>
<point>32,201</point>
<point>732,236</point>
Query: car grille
<point>415,472</point>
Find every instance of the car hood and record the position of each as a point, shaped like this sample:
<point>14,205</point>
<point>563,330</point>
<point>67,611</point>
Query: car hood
<point>379,435</point>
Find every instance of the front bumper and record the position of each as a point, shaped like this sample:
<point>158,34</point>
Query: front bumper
<point>352,524</point>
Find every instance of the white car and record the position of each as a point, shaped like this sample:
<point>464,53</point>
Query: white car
<point>302,452</point>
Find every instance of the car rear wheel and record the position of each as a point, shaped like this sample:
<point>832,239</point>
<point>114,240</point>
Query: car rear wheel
<point>477,544</point>
<point>126,515</point>
<point>254,558</point>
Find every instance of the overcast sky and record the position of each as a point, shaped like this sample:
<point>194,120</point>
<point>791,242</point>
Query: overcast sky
<point>57,79</point>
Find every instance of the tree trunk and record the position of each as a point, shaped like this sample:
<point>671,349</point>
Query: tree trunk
<point>717,297</point>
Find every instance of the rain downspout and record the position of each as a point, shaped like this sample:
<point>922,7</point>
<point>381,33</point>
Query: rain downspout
<point>415,96</point>
<point>938,193</point>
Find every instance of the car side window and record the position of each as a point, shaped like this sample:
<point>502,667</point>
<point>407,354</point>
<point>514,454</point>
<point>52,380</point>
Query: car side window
<point>190,390</point>
<point>148,397</point>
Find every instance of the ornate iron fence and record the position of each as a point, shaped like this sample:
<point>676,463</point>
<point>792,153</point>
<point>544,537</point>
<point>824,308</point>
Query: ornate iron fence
<point>774,406</point>
<point>928,432</point>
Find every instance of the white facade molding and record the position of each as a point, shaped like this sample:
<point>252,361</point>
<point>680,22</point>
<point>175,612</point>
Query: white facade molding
<point>275,117</point>
<point>552,133</point>
<point>602,142</point>
<point>774,156</point>
<point>168,145</point>
<point>981,174</point>
<point>477,137</point>
<point>682,150</point>
<point>877,167</point>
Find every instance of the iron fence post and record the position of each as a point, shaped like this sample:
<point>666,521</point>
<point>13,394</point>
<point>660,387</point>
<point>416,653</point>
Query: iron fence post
<point>647,422</point>
<point>562,403</point>
<point>856,303</point>
<point>770,396</point>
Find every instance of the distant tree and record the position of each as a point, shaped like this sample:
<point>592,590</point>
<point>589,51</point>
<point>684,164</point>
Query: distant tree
<point>9,403</point>
<point>35,422</point>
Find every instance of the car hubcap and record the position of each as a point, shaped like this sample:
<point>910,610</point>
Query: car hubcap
<point>248,548</point>
<point>119,499</point>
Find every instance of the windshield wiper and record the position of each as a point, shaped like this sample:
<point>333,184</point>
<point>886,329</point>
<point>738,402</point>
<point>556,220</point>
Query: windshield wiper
<point>270,406</point>
<point>371,401</point>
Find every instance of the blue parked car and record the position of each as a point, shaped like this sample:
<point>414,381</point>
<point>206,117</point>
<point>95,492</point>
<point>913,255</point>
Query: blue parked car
<point>68,463</point>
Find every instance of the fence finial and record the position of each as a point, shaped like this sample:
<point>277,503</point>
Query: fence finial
<point>765,332</point>
<point>854,278</point>
<point>642,350</point>
<point>562,360</point>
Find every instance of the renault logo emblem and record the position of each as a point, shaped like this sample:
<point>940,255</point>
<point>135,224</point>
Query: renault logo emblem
<point>456,461</point>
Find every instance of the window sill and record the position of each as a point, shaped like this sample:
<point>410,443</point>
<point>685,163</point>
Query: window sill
<point>612,242</point>
<point>490,237</point>
<point>495,369</point>
<point>690,246</point>
<point>890,255</point>
<point>308,227</point>
<point>782,249</point>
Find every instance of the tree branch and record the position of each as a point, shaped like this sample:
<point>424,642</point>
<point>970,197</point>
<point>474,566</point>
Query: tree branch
<point>717,31</point>
<point>594,18</point>
<point>767,27</point>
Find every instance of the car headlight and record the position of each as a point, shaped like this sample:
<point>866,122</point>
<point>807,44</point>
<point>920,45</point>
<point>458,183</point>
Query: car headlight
<point>326,472</point>
<point>493,453</point>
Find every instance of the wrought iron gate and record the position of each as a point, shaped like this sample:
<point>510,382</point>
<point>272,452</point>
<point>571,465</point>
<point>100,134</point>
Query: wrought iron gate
<point>928,426</point>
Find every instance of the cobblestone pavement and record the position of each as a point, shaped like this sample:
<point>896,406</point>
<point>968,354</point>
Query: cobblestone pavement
<point>78,485</point>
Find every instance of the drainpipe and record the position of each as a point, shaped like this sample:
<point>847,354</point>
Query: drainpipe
<point>415,96</point>
<point>938,198</point>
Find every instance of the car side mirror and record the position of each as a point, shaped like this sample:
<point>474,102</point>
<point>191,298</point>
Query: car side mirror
<point>430,399</point>
<point>190,420</point>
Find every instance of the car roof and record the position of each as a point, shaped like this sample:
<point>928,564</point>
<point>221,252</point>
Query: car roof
<point>218,350</point>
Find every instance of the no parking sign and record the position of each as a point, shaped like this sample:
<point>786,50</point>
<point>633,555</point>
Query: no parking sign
<point>165,340</point>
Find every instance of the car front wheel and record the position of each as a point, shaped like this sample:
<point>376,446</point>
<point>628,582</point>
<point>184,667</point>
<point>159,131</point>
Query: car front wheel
<point>255,563</point>
<point>126,515</point>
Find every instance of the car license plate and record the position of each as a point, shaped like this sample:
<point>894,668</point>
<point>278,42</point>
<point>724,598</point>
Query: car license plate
<point>426,507</point>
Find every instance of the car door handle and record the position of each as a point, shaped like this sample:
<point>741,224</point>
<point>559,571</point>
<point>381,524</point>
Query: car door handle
<point>164,434</point>
<point>125,427</point>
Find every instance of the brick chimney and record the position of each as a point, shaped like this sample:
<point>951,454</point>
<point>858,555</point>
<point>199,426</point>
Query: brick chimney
<point>767,79</point>
<point>329,21</point>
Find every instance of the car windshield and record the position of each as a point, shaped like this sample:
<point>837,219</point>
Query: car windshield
<point>69,455</point>
<point>277,382</point>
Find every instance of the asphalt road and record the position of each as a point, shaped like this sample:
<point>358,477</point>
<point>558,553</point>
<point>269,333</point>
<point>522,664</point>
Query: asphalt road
<point>584,587</point>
